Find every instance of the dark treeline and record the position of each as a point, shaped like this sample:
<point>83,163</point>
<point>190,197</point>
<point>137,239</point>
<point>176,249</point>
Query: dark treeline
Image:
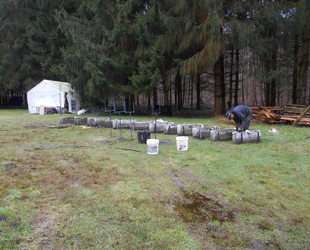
<point>182,53</point>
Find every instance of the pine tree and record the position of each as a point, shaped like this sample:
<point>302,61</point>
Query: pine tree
<point>86,62</point>
<point>301,36</point>
<point>14,70</point>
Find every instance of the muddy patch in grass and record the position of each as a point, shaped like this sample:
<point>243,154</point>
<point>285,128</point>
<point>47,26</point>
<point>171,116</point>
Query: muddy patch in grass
<point>204,214</point>
<point>9,167</point>
<point>47,147</point>
<point>102,139</point>
<point>39,125</point>
<point>45,229</point>
<point>13,169</point>
<point>3,218</point>
<point>198,208</point>
<point>195,207</point>
<point>105,178</point>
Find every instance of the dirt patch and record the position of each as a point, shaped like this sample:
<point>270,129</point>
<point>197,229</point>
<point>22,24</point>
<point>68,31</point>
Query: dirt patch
<point>57,146</point>
<point>257,244</point>
<point>15,223</point>
<point>104,139</point>
<point>9,167</point>
<point>38,125</point>
<point>14,169</point>
<point>199,211</point>
<point>197,208</point>
<point>129,149</point>
<point>3,218</point>
<point>101,139</point>
<point>23,197</point>
<point>108,177</point>
<point>59,126</point>
<point>182,178</point>
<point>31,162</point>
<point>45,226</point>
<point>194,207</point>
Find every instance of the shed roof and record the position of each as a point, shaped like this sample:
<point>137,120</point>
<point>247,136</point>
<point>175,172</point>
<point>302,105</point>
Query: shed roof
<point>64,86</point>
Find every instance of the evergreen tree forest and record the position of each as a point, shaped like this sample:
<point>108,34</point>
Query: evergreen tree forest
<point>182,53</point>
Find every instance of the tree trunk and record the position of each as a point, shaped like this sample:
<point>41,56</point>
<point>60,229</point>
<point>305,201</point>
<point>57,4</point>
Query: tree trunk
<point>176,91</point>
<point>166,89</point>
<point>302,72</point>
<point>197,78</point>
<point>127,102</point>
<point>295,69</point>
<point>170,92</point>
<point>237,79</point>
<point>149,102</point>
<point>219,95</point>
<point>231,73</point>
<point>242,88</point>
<point>183,84</point>
<point>192,91</point>
<point>155,96</point>
<point>255,92</point>
<point>223,87</point>
<point>273,89</point>
<point>178,84</point>
<point>137,100</point>
<point>267,83</point>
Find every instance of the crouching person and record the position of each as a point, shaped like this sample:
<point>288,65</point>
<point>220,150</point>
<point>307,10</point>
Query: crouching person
<point>241,115</point>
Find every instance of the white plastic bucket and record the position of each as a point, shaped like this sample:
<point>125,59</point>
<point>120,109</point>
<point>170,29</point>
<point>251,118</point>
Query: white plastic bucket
<point>182,143</point>
<point>152,146</point>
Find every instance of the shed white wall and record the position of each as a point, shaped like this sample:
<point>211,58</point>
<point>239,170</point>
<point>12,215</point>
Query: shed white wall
<point>45,94</point>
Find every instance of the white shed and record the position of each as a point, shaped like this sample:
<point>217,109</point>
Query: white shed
<point>54,94</point>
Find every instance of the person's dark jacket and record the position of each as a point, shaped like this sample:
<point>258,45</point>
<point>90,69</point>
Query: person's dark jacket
<point>242,116</point>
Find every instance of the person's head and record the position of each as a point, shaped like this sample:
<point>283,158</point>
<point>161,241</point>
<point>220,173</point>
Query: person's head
<point>229,115</point>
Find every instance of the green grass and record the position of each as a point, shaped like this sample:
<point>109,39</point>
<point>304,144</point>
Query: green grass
<point>83,192</point>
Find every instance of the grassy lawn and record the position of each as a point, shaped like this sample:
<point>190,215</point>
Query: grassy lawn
<point>76,188</point>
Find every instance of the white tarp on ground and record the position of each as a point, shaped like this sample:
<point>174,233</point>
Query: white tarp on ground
<point>52,94</point>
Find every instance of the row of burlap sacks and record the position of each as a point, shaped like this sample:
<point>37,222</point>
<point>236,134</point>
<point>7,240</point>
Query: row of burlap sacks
<point>199,131</point>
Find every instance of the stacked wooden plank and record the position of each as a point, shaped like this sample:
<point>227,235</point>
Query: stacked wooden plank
<point>267,114</point>
<point>295,110</point>
<point>298,115</point>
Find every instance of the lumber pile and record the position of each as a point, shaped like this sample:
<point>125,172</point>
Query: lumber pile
<point>295,110</point>
<point>267,114</point>
<point>298,115</point>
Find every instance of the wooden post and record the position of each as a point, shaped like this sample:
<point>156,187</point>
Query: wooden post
<point>301,116</point>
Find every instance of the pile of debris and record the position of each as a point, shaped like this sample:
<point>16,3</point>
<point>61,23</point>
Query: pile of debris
<point>298,115</point>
